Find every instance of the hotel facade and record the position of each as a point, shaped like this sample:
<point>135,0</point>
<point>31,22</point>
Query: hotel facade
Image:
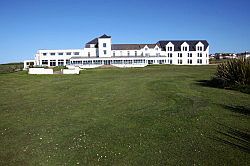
<point>100,51</point>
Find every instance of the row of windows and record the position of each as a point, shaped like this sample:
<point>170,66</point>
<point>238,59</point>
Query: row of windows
<point>53,62</point>
<point>61,53</point>
<point>185,48</point>
<point>111,61</point>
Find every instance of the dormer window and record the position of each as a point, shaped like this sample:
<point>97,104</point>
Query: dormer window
<point>184,48</point>
<point>44,54</point>
<point>169,48</point>
<point>156,48</point>
<point>199,48</point>
<point>104,45</point>
<point>146,49</point>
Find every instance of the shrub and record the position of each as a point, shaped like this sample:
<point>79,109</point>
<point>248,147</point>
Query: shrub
<point>233,74</point>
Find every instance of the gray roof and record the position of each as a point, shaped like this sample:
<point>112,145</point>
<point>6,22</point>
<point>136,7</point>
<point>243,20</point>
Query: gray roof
<point>177,44</point>
<point>131,46</point>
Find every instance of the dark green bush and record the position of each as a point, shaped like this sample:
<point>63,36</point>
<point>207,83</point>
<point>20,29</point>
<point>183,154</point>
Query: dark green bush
<point>233,74</point>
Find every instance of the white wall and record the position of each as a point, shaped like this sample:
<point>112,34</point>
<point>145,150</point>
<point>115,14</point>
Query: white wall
<point>101,49</point>
<point>40,71</point>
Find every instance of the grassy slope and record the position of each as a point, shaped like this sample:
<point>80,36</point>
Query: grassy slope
<point>156,115</point>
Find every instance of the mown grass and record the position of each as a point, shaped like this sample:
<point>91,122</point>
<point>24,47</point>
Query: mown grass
<point>158,115</point>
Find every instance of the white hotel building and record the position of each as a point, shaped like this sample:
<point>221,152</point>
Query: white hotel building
<point>100,51</point>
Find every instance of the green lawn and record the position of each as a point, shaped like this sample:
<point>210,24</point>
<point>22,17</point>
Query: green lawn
<point>158,115</point>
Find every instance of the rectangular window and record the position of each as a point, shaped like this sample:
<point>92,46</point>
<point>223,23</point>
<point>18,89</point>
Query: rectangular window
<point>52,53</point>
<point>60,53</point>
<point>199,61</point>
<point>190,61</point>
<point>76,53</point>
<point>170,61</point>
<point>68,53</point>
<point>88,54</point>
<point>113,53</point>
<point>44,62</point>
<point>135,53</point>
<point>52,62</point>
<point>104,45</point>
<point>60,62</point>
<point>67,62</point>
<point>179,61</point>
<point>104,52</point>
<point>179,55</point>
<point>44,54</point>
<point>128,53</point>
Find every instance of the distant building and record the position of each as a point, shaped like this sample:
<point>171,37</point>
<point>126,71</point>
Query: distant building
<point>244,54</point>
<point>100,51</point>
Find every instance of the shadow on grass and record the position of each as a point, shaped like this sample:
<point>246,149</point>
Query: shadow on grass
<point>236,138</point>
<point>238,109</point>
<point>218,83</point>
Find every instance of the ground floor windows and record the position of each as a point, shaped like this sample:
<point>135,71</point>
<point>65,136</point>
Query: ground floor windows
<point>179,61</point>
<point>97,62</point>
<point>139,61</point>
<point>67,62</point>
<point>118,61</point>
<point>60,62</point>
<point>52,62</point>
<point>161,61</point>
<point>199,61</point>
<point>128,61</point>
<point>44,62</point>
<point>190,61</point>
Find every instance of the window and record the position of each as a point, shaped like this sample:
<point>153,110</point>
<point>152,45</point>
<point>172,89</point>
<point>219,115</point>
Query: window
<point>60,53</point>
<point>60,62</point>
<point>158,54</point>
<point>88,54</point>
<point>128,61</point>
<point>52,62</point>
<point>67,62</point>
<point>76,53</point>
<point>170,61</point>
<point>135,53</point>
<point>170,55</point>
<point>113,53</point>
<point>190,55</point>
<point>179,55</point>
<point>146,49</point>
<point>128,53</point>
<point>68,53</point>
<point>52,53</point>
<point>199,54</point>
<point>169,48</point>
<point>97,62</point>
<point>184,48</point>
<point>44,54</point>
<point>190,61</point>
<point>199,48</point>
<point>104,52</point>
<point>118,62</point>
<point>199,61</point>
<point>156,48</point>
<point>179,61</point>
<point>104,45</point>
<point>44,62</point>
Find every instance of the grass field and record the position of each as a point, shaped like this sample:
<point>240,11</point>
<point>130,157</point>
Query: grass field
<point>158,115</point>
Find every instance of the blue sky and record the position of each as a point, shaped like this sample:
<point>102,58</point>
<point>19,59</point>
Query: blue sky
<point>29,25</point>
